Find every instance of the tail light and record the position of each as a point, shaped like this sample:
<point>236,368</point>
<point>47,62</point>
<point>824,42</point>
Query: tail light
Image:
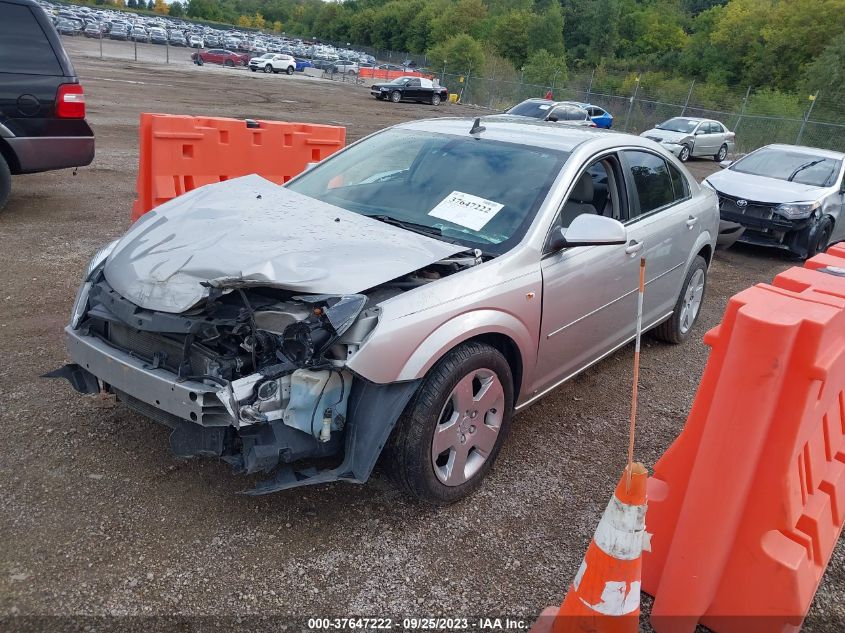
<point>70,102</point>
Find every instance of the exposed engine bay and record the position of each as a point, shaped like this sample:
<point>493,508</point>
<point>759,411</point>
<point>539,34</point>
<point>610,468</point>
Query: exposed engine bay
<point>273,363</point>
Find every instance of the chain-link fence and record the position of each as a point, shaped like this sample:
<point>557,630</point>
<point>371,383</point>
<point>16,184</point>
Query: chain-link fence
<point>758,116</point>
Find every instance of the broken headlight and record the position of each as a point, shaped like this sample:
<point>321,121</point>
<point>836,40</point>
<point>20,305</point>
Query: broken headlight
<point>304,342</point>
<point>98,260</point>
<point>80,303</point>
<point>797,210</point>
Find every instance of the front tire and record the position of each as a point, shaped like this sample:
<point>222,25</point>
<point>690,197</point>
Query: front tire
<point>819,245</point>
<point>268,69</point>
<point>684,155</point>
<point>5,182</point>
<point>449,435</point>
<point>677,328</point>
<point>722,154</point>
<point>396,96</point>
<point>229,63</point>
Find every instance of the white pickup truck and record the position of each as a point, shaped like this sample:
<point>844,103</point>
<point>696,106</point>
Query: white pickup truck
<point>273,63</point>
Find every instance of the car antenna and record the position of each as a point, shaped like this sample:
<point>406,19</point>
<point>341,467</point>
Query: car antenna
<point>477,128</point>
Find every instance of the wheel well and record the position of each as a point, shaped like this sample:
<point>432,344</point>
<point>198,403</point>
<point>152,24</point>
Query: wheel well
<point>510,351</point>
<point>707,253</point>
<point>9,156</point>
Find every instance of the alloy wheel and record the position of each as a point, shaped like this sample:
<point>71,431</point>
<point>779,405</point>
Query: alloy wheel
<point>692,301</point>
<point>468,427</point>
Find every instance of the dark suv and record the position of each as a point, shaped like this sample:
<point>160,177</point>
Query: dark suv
<point>42,106</point>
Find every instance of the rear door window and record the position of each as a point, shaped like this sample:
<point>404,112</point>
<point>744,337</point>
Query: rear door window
<point>652,181</point>
<point>24,47</point>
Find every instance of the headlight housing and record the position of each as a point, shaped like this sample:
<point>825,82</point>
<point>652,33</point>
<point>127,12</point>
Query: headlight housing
<point>99,259</point>
<point>706,183</point>
<point>80,304</point>
<point>797,210</point>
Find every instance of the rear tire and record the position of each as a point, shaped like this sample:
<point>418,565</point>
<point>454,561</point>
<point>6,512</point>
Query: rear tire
<point>722,154</point>
<point>289,70</point>
<point>473,375</point>
<point>435,99</point>
<point>5,182</point>
<point>677,328</point>
<point>229,63</point>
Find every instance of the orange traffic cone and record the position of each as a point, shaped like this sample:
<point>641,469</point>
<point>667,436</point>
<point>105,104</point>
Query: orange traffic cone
<point>604,597</point>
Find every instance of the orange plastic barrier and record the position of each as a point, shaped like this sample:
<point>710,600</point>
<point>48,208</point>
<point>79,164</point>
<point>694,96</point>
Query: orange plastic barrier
<point>181,153</point>
<point>747,504</point>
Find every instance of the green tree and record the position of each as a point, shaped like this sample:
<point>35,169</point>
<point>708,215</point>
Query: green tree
<point>511,36</point>
<point>459,54</point>
<point>177,9</point>
<point>151,5</point>
<point>826,74</point>
<point>545,69</point>
<point>132,4</point>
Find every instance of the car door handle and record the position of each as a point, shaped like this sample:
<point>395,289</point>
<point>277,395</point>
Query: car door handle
<point>633,247</point>
<point>691,221</point>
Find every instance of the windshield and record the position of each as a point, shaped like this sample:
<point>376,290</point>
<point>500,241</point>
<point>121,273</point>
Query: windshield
<point>475,192</point>
<point>686,126</point>
<point>790,165</point>
<point>401,80</point>
<point>266,56</point>
<point>535,109</point>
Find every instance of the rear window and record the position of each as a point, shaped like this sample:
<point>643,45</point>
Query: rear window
<point>24,47</point>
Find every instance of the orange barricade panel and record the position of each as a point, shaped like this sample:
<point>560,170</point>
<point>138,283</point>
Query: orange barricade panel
<point>748,503</point>
<point>180,153</point>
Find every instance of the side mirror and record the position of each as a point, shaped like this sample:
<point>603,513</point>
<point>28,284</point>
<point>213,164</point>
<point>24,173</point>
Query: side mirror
<point>588,229</point>
<point>700,132</point>
<point>725,164</point>
<point>552,117</point>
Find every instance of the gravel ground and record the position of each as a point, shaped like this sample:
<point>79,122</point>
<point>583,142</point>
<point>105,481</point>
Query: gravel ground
<point>99,519</point>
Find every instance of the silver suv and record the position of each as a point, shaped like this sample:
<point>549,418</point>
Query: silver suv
<point>403,298</point>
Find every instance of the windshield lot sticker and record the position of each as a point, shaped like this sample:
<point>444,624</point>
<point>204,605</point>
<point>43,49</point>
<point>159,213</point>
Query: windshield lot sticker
<point>466,210</point>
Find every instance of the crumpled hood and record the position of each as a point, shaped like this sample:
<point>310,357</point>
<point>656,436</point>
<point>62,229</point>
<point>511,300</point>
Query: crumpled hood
<point>250,231</point>
<point>666,135</point>
<point>761,188</point>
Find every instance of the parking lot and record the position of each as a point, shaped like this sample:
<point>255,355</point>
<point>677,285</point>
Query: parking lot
<point>100,519</point>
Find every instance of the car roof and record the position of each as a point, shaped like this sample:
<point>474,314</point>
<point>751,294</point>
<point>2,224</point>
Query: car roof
<point>521,130</point>
<point>805,149</point>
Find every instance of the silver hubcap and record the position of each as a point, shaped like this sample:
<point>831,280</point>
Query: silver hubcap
<point>692,300</point>
<point>468,427</point>
<point>722,153</point>
<point>684,153</point>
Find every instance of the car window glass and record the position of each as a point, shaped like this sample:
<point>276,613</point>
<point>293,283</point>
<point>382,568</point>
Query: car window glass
<point>652,181</point>
<point>680,186</point>
<point>414,82</point>
<point>594,192</point>
<point>24,47</point>
<point>370,178</point>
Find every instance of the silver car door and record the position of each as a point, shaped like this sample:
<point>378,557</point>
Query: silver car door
<point>584,288</point>
<point>664,219</point>
<point>701,140</point>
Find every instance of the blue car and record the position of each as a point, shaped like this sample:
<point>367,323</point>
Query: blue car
<point>302,64</point>
<point>599,116</point>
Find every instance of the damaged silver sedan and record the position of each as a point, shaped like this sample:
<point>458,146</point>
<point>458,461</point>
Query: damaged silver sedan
<point>402,299</point>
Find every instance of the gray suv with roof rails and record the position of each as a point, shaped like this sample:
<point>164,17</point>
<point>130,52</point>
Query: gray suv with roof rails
<point>42,105</point>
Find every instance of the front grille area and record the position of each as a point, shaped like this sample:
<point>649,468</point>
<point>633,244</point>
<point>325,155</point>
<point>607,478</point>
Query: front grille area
<point>146,345</point>
<point>756,215</point>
